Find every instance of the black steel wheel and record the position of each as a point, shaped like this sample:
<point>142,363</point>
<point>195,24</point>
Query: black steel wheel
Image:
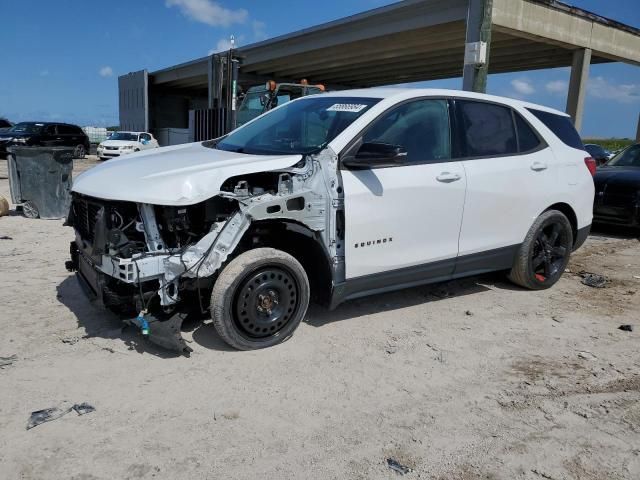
<point>259,299</point>
<point>545,252</point>
<point>265,302</point>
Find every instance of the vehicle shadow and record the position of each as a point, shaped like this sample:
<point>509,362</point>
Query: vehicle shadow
<point>99,323</point>
<point>386,302</point>
<point>614,231</point>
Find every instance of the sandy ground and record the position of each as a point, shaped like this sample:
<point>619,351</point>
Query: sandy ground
<point>473,379</point>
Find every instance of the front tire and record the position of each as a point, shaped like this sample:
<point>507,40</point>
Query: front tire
<point>259,299</point>
<point>545,252</point>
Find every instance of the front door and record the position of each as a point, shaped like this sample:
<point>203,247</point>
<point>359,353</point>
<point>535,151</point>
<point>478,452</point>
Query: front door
<point>403,222</point>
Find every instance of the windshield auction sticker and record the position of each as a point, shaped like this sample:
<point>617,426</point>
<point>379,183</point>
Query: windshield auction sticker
<point>346,107</point>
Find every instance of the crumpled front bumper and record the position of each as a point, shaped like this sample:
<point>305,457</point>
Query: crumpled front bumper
<point>163,330</point>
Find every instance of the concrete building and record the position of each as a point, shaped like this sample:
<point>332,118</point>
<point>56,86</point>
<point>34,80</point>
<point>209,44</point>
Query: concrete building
<point>409,41</point>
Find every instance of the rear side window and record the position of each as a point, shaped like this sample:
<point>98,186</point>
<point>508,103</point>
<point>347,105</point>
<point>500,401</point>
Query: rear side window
<point>487,129</point>
<point>561,126</point>
<point>527,138</point>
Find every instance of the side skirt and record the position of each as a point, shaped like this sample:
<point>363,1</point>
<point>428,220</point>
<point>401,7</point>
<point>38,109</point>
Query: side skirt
<point>434,272</point>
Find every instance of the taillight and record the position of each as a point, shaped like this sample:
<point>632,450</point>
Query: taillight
<point>591,165</point>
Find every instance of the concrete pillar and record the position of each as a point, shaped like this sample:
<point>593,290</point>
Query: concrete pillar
<point>479,19</point>
<point>578,85</point>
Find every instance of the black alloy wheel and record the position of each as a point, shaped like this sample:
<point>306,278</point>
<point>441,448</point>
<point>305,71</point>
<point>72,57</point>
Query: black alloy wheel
<point>550,251</point>
<point>544,254</point>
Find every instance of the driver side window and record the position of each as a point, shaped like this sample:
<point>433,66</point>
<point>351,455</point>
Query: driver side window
<point>421,127</point>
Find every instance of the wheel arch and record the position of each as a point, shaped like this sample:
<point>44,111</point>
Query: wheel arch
<point>299,241</point>
<point>568,212</point>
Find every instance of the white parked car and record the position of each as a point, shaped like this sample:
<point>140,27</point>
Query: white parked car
<point>334,196</point>
<point>122,143</point>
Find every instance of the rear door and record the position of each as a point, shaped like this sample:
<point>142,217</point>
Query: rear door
<point>70,136</point>
<point>49,136</point>
<point>402,223</point>
<point>509,170</point>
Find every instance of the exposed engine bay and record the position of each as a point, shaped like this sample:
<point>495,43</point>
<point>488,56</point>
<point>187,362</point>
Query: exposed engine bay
<point>160,262</point>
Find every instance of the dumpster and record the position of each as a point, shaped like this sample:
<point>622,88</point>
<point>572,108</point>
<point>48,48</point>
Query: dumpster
<point>40,180</point>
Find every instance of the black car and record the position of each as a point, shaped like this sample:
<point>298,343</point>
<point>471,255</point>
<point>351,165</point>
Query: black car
<point>45,134</point>
<point>598,153</point>
<point>618,189</point>
<point>5,124</point>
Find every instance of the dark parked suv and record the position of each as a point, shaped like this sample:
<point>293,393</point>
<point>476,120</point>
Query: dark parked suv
<point>45,134</point>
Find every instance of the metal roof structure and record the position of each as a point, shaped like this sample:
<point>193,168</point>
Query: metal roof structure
<point>417,40</point>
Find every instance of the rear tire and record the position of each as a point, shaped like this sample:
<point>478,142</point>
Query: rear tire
<point>259,299</point>
<point>79,152</point>
<point>545,252</point>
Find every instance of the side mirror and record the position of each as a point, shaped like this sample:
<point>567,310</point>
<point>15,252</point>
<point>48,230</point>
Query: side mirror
<point>371,155</point>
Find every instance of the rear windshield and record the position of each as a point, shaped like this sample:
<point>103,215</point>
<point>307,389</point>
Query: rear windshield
<point>561,126</point>
<point>627,158</point>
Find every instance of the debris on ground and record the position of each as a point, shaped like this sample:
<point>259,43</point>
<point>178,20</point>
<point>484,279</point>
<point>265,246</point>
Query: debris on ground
<point>469,313</point>
<point>556,319</point>
<point>49,414</point>
<point>626,328</point>
<point>398,467</point>
<point>6,361</point>
<point>593,280</point>
<point>587,355</point>
<point>5,237</point>
<point>83,408</point>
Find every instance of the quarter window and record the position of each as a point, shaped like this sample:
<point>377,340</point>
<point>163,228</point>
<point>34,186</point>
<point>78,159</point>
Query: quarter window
<point>527,139</point>
<point>487,129</point>
<point>561,126</point>
<point>421,127</point>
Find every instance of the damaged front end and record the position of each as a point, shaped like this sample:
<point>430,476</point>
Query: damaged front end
<point>155,264</point>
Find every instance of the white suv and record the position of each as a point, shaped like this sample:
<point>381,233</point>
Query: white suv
<point>338,196</point>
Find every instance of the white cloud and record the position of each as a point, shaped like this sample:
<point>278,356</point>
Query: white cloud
<point>557,86</point>
<point>259,30</point>
<point>106,71</point>
<point>600,87</point>
<point>44,73</point>
<point>211,13</point>
<point>522,86</point>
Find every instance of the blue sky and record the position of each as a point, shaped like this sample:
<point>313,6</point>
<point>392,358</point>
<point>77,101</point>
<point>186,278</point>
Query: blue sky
<point>61,59</point>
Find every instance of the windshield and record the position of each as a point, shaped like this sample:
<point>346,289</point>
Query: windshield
<point>627,158</point>
<point>124,136</point>
<point>26,127</point>
<point>298,127</point>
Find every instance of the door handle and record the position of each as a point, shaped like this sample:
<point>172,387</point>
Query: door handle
<point>446,177</point>
<point>538,166</point>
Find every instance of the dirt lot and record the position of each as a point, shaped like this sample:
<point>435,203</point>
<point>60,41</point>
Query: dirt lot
<point>474,379</point>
